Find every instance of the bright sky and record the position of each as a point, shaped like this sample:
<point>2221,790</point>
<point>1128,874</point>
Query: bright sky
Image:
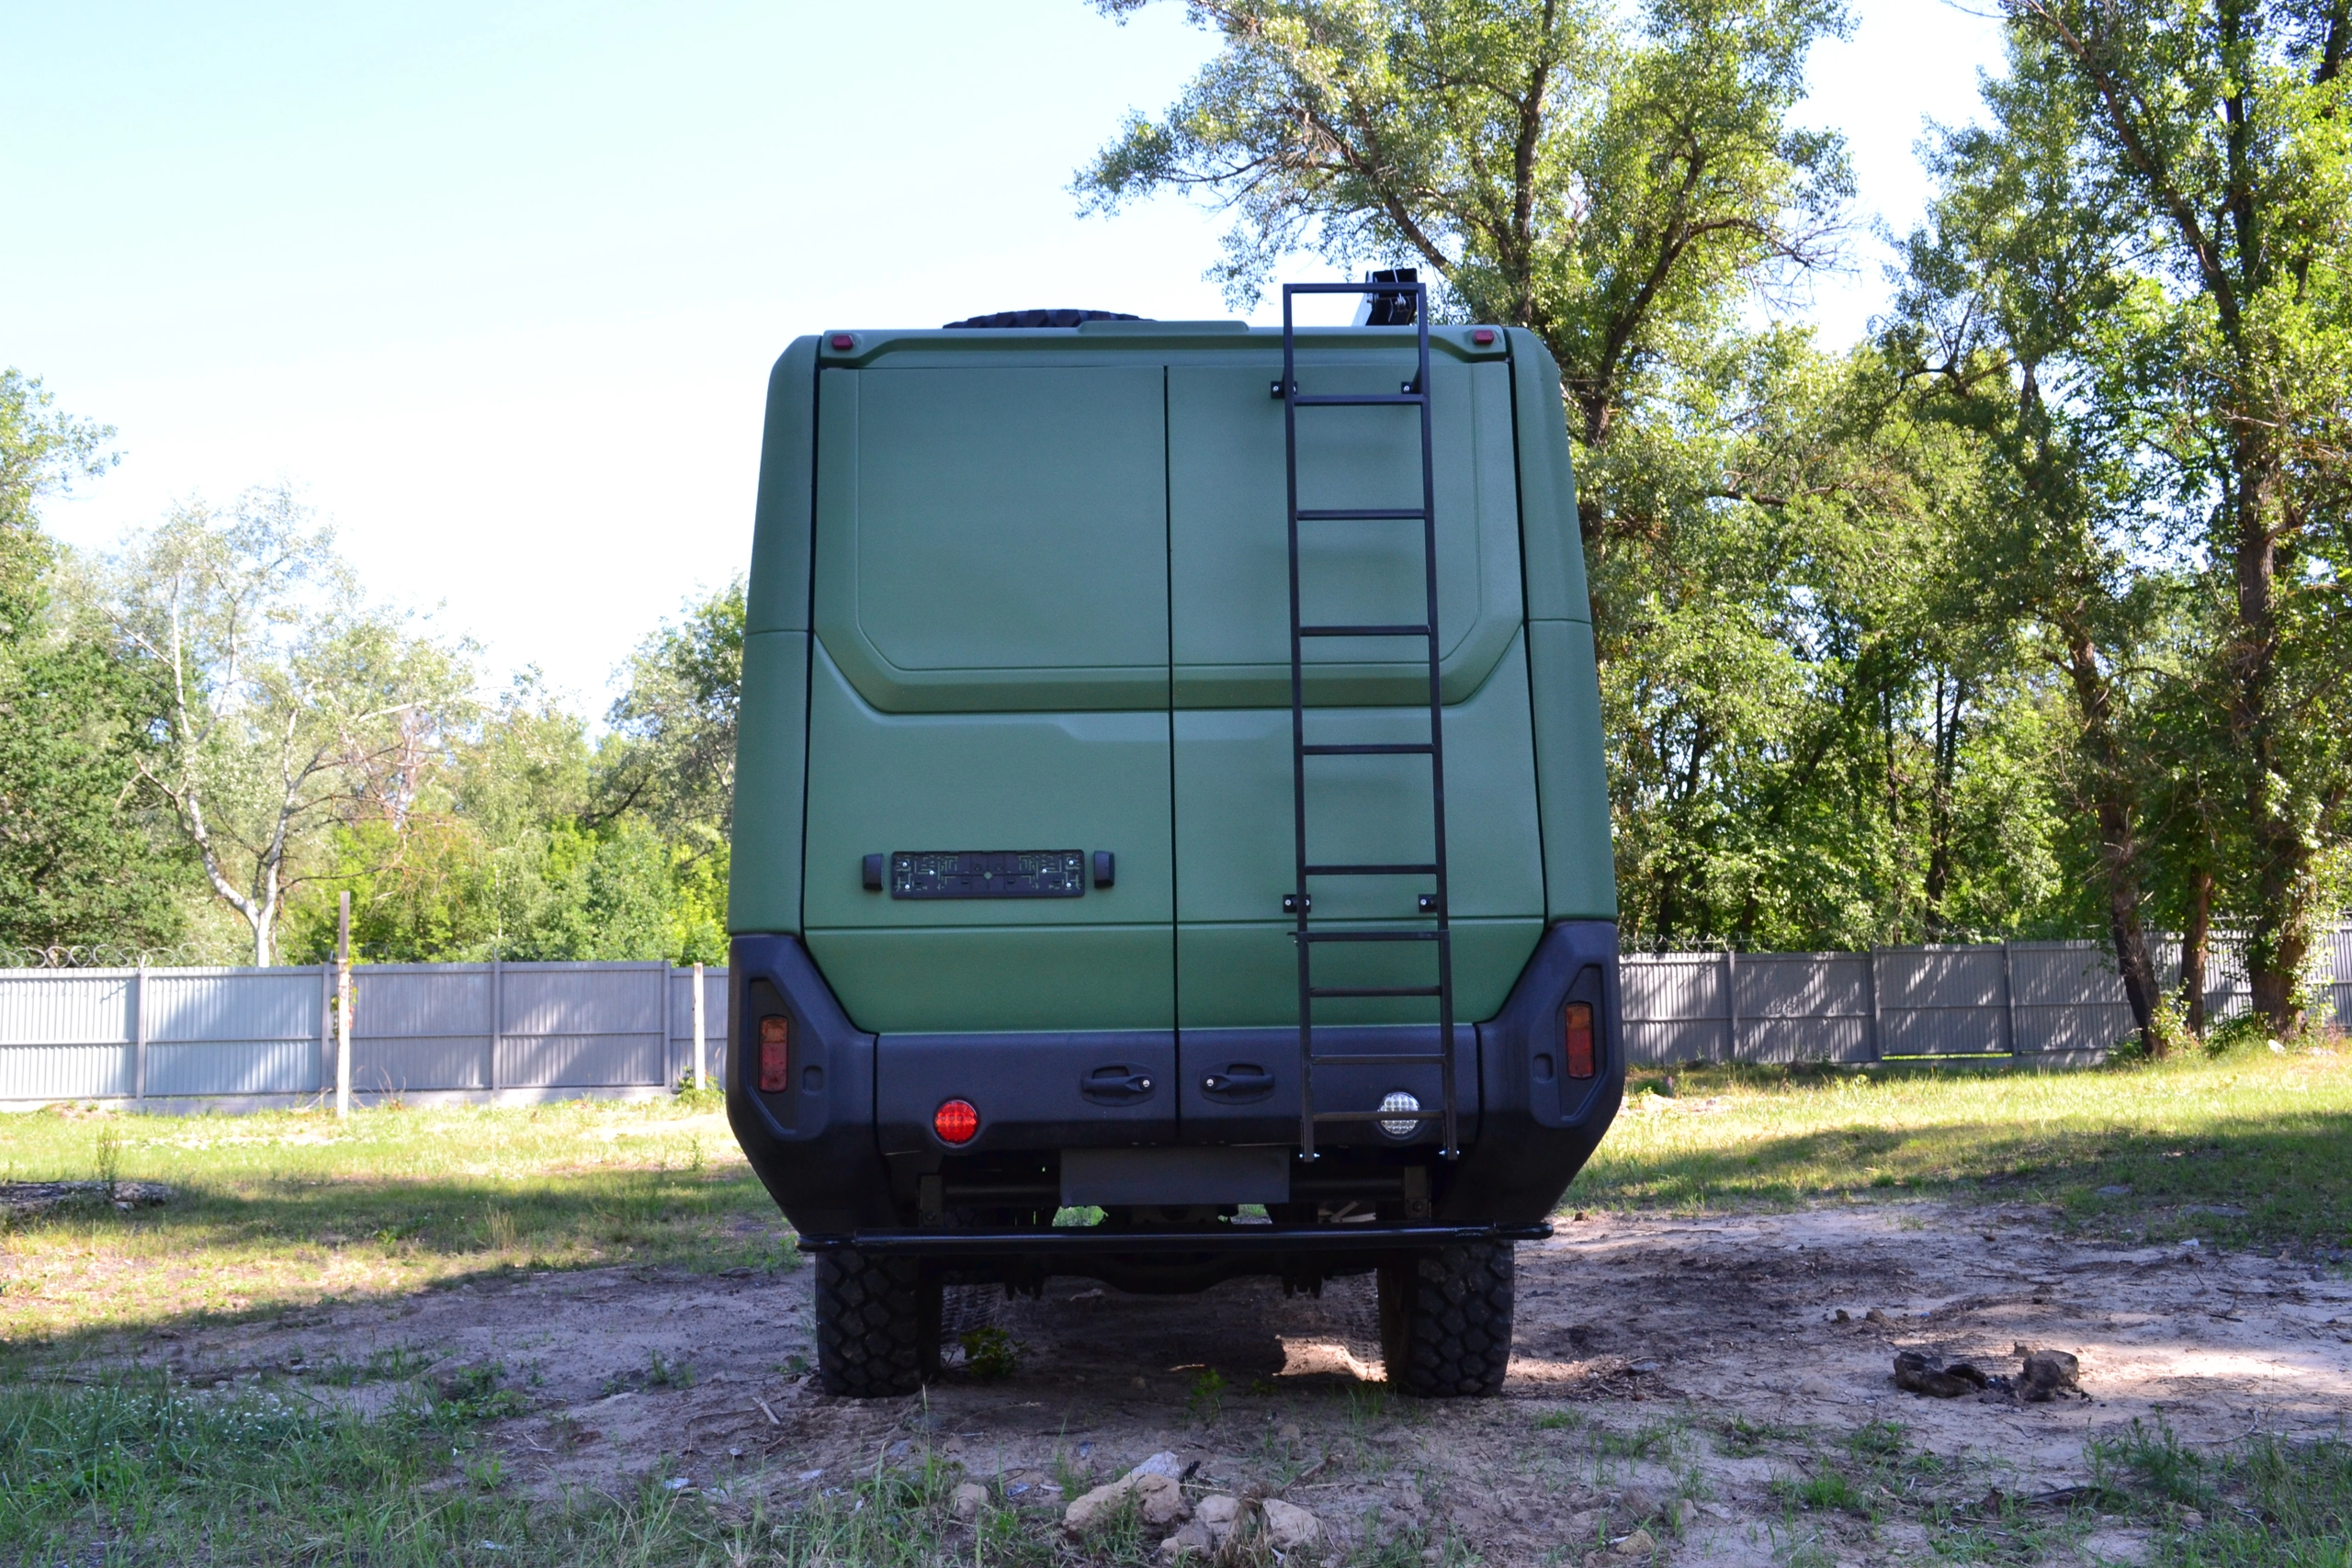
<point>498,285</point>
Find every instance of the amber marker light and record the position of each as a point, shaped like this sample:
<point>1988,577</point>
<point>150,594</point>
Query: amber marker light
<point>956,1121</point>
<point>1578,1044</point>
<point>775,1055</point>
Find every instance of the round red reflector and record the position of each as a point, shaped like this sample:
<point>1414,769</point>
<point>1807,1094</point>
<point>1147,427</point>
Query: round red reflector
<point>956,1121</point>
<point>844,342</point>
<point>1483,336</point>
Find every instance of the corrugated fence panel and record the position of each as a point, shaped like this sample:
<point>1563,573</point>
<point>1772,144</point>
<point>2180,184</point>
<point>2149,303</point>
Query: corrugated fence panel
<point>1941,1001</point>
<point>78,1006</point>
<point>67,1071</point>
<point>417,1027</point>
<point>2068,997</point>
<point>1673,1005</point>
<point>230,1067</point>
<point>2340,969</point>
<point>190,1006</point>
<point>582,1061</point>
<point>584,998</point>
<point>1803,1007</point>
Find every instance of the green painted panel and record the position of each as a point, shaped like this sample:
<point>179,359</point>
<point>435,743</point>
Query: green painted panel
<point>1234,826</point>
<point>1547,492</point>
<point>1245,976</point>
<point>778,596</point>
<point>771,754</point>
<point>1229,544</point>
<point>880,782</point>
<point>995,538</point>
<point>1579,865</point>
<point>960,979</point>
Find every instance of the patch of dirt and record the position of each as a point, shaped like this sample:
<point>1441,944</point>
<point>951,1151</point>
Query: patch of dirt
<point>1679,1373</point>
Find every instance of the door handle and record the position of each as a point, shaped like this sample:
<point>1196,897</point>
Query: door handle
<point>1119,1085</point>
<point>1240,1083</point>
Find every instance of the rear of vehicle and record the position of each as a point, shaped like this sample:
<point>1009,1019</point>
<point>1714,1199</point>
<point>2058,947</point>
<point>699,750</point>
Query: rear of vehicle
<point>1091,678</point>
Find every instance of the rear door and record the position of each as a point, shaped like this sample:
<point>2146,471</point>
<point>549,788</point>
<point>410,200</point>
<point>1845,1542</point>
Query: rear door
<point>1237,1004</point>
<point>989,714</point>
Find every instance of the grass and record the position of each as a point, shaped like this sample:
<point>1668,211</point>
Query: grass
<point>286,1211</point>
<point>2248,1149</point>
<point>2265,1503</point>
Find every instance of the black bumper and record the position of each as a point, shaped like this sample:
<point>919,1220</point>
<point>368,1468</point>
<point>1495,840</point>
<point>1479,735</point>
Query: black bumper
<point>819,1146</point>
<point>1095,1241</point>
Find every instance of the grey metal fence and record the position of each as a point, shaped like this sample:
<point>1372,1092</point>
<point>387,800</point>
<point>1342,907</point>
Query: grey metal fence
<point>424,1032</point>
<point>173,1038</point>
<point>2048,1001</point>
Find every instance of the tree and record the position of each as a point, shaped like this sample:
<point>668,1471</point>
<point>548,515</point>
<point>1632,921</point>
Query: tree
<point>1619,195</point>
<point>2005,324</point>
<point>677,718</point>
<point>2215,132</point>
<point>287,699</point>
<point>78,863</point>
<point>1806,747</point>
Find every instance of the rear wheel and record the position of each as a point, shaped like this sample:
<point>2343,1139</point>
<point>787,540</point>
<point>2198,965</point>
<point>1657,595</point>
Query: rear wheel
<point>870,1324</point>
<point>1445,1320</point>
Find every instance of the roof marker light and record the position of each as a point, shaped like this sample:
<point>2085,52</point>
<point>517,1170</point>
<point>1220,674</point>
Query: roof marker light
<point>1484,337</point>
<point>842,342</point>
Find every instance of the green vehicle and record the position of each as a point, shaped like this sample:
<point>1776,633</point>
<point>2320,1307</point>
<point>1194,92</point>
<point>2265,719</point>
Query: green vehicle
<point>1170,839</point>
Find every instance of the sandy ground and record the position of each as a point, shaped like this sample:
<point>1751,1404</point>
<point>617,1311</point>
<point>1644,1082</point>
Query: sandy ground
<point>1642,1345</point>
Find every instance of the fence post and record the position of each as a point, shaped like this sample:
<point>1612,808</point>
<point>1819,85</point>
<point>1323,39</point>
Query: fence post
<point>1878,1037</point>
<point>343,1005</point>
<point>2009,1002</point>
<point>1731,1006</point>
<point>139,1033</point>
<point>497,1020</point>
<point>702,1080</point>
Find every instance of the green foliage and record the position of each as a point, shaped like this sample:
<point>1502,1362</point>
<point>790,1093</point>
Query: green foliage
<point>80,862</point>
<point>289,703</point>
<point>2139,272</point>
<point>523,840</point>
<point>990,1354</point>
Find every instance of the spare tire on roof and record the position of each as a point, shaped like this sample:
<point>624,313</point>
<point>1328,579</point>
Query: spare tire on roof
<point>1043,319</point>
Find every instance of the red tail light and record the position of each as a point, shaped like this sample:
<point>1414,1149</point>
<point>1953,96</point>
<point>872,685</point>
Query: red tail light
<point>1577,1045</point>
<point>775,1055</point>
<point>956,1121</point>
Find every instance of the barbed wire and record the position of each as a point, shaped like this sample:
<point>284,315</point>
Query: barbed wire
<point>100,955</point>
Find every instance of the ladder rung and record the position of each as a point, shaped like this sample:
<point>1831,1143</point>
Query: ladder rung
<point>1416,630</point>
<point>1378,1115</point>
<point>1373,991</point>
<point>1418,1059</point>
<point>1356,399</point>
<point>1374,936</point>
<point>1396,748</point>
<point>1361,515</point>
<point>1371,870</point>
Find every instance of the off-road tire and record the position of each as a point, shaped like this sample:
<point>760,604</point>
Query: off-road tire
<point>1445,1320</point>
<point>869,1325</point>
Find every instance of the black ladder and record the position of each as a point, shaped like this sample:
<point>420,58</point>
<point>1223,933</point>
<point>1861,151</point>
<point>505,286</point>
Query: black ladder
<point>1434,906</point>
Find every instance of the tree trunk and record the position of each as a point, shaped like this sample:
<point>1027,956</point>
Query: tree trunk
<point>2194,943</point>
<point>2279,938</point>
<point>2118,845</point>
